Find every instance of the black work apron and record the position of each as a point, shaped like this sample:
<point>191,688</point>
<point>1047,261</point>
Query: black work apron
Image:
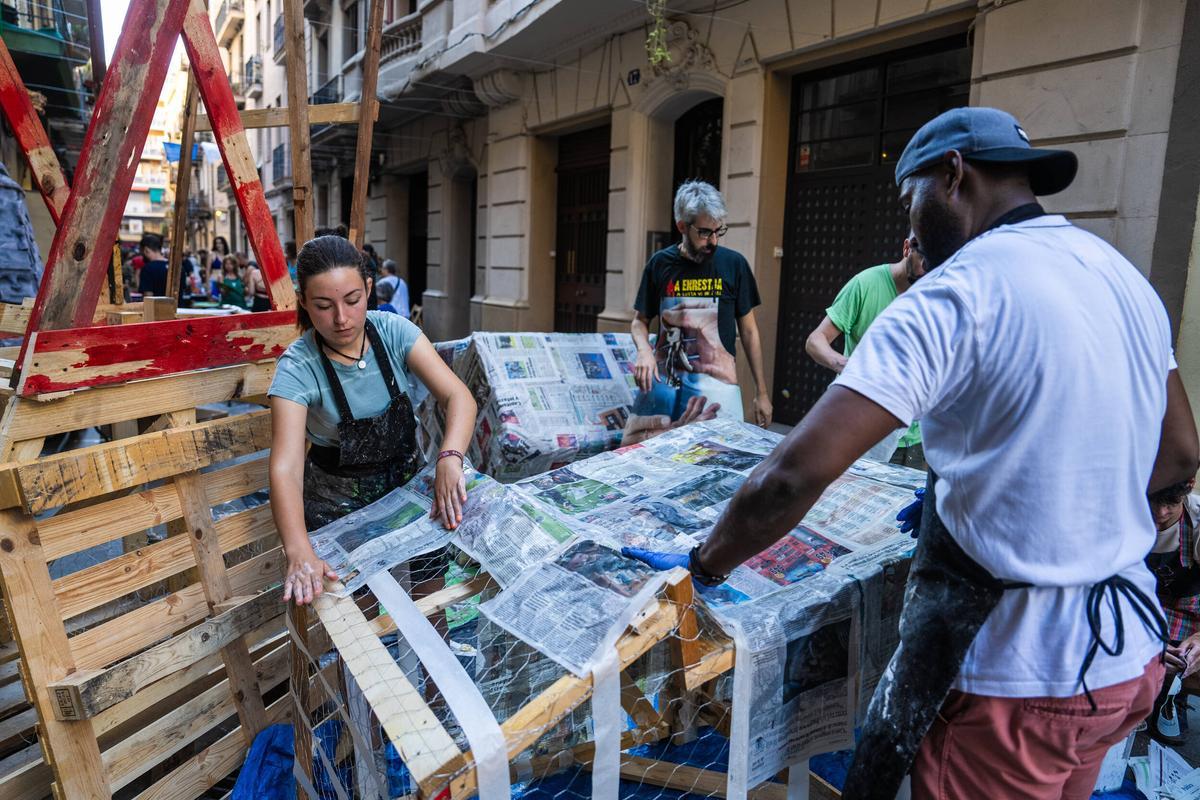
<point>946,602</point>
<point>374,455</point>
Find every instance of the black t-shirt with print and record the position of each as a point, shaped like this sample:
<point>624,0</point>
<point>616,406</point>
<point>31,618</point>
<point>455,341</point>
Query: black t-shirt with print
<point>725,280</point>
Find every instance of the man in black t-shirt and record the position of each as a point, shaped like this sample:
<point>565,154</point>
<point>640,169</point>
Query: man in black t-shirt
<point>704,296</point>
<point>153,278</point>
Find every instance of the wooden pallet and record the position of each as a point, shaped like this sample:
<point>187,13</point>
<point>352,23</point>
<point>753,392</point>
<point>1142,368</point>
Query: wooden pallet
<point>128,698</point>
<point>396,710</point>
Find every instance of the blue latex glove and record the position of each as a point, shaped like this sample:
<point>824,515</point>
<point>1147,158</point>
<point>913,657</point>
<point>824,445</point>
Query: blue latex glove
<point>656,560</point>
<point>910,516</point>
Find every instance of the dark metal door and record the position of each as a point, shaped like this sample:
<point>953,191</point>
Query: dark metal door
<point>582,231</point>
<point>849,125</point>
<point>698,143</point>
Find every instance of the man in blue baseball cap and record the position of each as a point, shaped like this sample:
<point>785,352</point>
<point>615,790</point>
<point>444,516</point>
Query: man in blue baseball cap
<point>1039,362</point>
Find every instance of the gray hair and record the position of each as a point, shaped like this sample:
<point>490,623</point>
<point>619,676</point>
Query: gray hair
<point>697,197</point>
<point>389,266</point>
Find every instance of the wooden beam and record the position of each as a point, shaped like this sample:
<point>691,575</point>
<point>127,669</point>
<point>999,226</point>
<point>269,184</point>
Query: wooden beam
<point>369,109</point>
<point>46,654</point>
<point>214,87</point>
<point>26,418</point>
<point>183,185</point>
<point>82,248</point>
<point>693,780</point>
<point>61,361</point>
<point>78,475</point>
<point>411,726</point>
<point>159,309</point>
<point>716,658</point>
<point>325,114</point>
<point>85,694</point>
<point>46,172</point>
<point>298,119</point>
<point>299,690</point>
<point>438,601</point>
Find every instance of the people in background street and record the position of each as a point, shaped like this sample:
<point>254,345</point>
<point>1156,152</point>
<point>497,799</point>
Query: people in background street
<point>1175,562</point>
<point>384,292</point>
<point>289,254</point>
<point>704,296</point>
<point>1039,362</point>
<point>391,277</point>
<point>220,250</point>
<point>233,288</point>
<point>153,278</point>
<point>256,288</point>
<point>860,301</point>
<point>344,386</point>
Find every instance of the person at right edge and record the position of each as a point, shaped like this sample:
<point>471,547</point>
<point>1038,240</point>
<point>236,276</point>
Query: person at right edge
<point>1039,362</point>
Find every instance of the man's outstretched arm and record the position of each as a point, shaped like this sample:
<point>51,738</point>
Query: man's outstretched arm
<point>840,428</point>
<point>1177,446</point>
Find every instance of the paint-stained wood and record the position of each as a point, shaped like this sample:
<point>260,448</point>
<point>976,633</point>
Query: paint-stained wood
<point>77,475</point>
<point>27,128</point>
<point>411,726</point>
<point>46,656</point>
<point>215,90</point>
<point>82,248</point>
<point>98,356</point>
<point>326,114</point>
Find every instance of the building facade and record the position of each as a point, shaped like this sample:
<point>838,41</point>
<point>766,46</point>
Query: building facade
<point>526,153</point>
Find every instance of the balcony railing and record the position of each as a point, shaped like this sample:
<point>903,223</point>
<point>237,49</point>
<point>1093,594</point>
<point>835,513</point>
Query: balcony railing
<point>400,38</point>
<point>330,92</point>
<point>229,21</point>
<point>281,165</point>
<point>280,37</point>
<point>254,76</point>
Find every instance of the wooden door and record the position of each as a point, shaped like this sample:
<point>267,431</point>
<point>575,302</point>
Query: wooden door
<point>582,231</point>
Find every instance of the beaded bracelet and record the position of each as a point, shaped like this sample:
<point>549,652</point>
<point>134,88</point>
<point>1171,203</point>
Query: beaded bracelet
<point>448,453</point>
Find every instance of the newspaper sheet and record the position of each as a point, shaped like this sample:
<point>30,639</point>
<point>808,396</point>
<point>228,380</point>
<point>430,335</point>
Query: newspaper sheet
<point>545,399</point>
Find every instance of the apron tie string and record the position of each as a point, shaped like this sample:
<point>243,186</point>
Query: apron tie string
<point>1145,607</point>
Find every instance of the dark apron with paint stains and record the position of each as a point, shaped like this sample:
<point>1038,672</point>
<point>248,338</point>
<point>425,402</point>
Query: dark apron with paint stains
<point>946,602</point>
<point>374,455</point>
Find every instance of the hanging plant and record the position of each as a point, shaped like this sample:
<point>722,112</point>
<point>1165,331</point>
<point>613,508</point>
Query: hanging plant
<point>656,39</point>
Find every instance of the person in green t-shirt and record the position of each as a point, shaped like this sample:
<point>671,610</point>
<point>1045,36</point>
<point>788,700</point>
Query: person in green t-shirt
<point>861,300</point>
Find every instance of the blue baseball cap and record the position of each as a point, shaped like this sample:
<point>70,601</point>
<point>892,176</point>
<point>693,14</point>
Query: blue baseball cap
<point>987,135</point>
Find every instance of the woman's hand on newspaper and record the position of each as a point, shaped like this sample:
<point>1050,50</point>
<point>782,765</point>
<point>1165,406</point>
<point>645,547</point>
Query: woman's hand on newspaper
<point>449,492</point>
<point>305,574</point>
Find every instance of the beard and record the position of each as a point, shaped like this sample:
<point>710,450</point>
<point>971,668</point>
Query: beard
<point>700,255</point>
<point>941,235</point>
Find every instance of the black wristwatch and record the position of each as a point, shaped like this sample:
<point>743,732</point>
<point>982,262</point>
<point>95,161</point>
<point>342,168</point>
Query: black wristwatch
<point>699,573</point>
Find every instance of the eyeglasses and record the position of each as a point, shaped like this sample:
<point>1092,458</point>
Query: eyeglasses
<point>708,233</point>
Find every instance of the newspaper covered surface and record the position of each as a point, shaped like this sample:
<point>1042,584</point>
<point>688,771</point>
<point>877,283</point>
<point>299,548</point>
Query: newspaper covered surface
<point>545,399</point>
<point>814,617</point>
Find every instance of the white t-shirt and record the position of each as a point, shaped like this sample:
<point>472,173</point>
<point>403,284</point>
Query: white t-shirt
<point>1036,359</point>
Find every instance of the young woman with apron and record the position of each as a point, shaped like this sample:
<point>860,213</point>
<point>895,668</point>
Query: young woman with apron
<point>344,387</point>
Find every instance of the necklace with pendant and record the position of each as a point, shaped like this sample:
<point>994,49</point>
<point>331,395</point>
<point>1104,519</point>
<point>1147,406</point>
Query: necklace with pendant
<point>361,362</point>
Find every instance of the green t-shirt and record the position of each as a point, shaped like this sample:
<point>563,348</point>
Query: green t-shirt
<point>861,300</point>
<point>299,377</point>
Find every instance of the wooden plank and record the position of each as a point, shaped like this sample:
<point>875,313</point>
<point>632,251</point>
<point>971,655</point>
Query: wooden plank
<point>26,125</point>
<point>80,474</point>
<point>440,600</point>
<point>14,318</point>
<point>213,82</point>
<point>411,726</point>
<point>123,317</point>
<point>210,564</point>
<point>73,359</point>
<point>326,114</point>
<point>85,694</point>
<point>147,625</point>
<point>299,690</point>
<point>702,782</point>
<point>46,655</point>
<point>29,418</point>
<point>183,183</point>
<point>369,109</point>
<point>716,658</point>
<point>75,531</point>
<point>25,776</point>
<point>82,248</point>
<point>541,713</point>
<point>298,119</point>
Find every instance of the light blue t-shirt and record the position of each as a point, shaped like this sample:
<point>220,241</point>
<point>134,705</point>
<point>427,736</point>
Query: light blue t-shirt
<point>299,377</point>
